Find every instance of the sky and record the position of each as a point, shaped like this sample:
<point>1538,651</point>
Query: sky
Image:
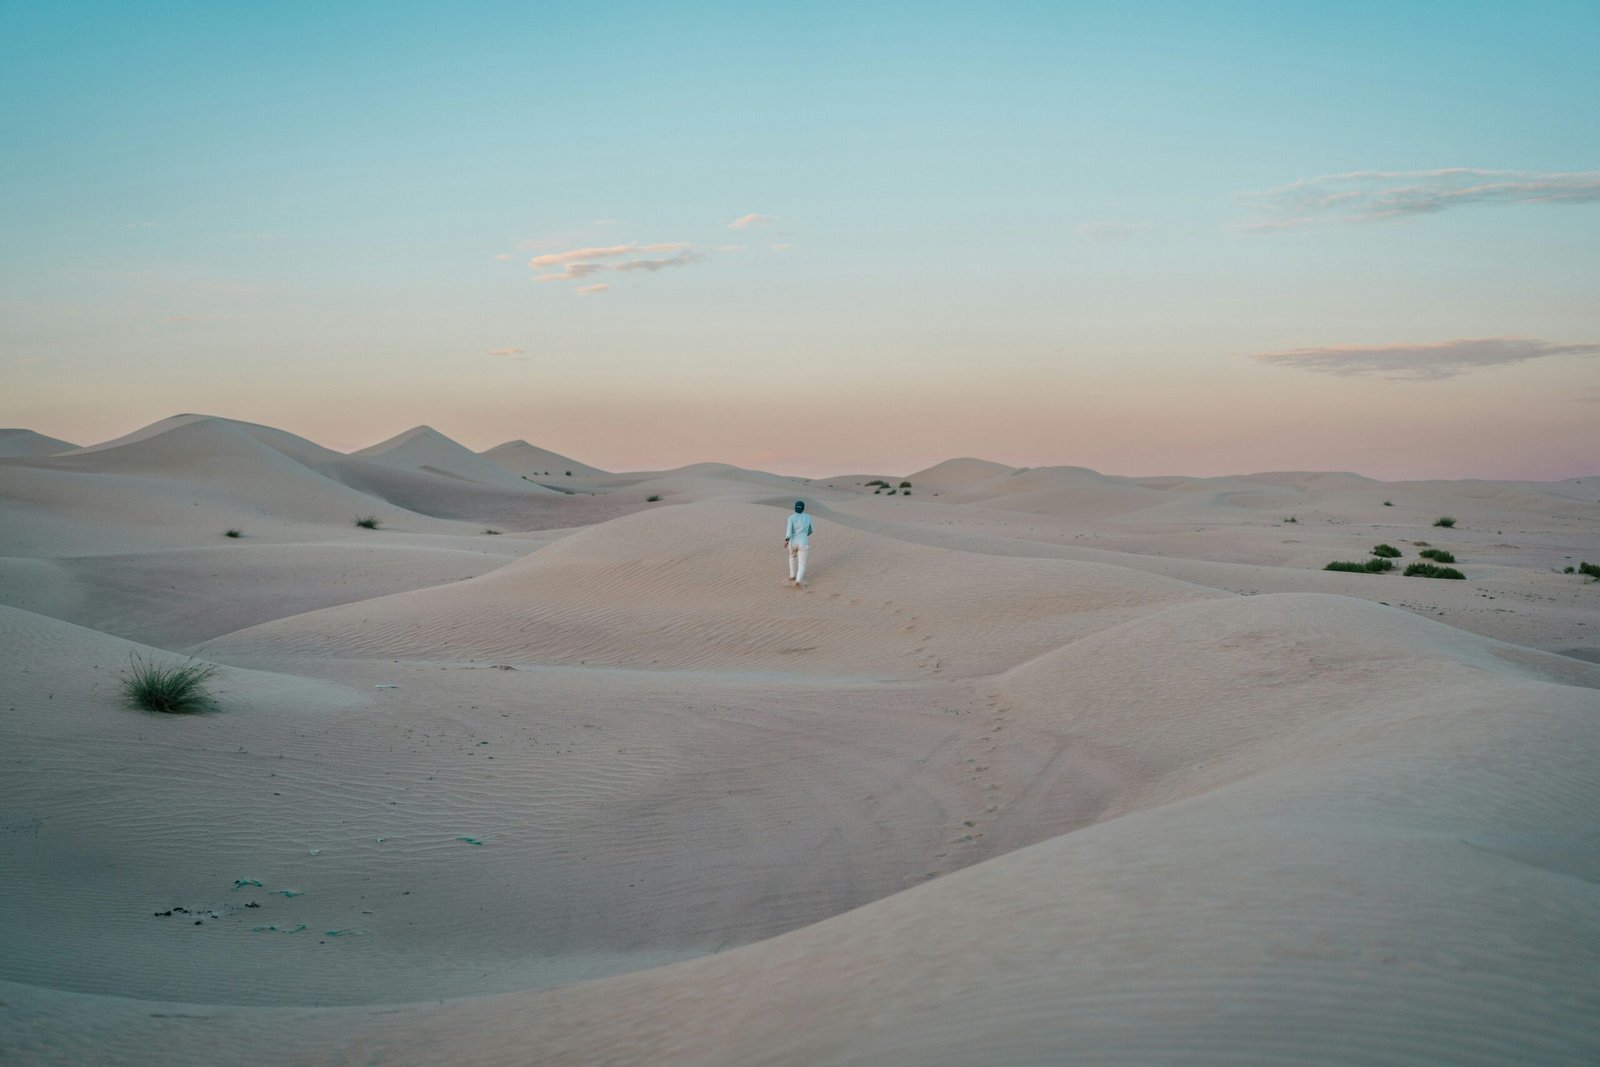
<point>818,238</point>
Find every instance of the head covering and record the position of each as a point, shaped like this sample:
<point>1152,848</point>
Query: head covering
<point>799,505</point>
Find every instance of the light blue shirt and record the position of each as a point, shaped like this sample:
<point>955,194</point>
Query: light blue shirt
<point>799,529</point>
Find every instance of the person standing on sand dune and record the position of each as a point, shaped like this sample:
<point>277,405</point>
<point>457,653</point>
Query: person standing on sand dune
<point>797,538</point>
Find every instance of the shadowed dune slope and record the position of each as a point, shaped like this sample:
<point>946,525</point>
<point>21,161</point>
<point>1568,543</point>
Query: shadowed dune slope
<point>26,444</point>
<point>702,586</point>
<point>174,598</point>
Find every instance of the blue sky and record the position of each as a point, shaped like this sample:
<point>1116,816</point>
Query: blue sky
<point>1039,233</point>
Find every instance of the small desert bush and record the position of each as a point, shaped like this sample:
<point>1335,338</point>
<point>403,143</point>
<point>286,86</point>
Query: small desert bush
<point>1438,555</point>
<point>368,522</point>
<point>892,492</point>
<point>1428,570</point>
<point>1444,520</point>
<point>174,690</point>
<point>1371,566</point>
<point>491,530</point>
<point>1388,503</point>
<point>906,492</point>
<point>234,533</point>
<point>569,474</point>
<point>1387,551</point>
<point>1591,569</point>
<point>879,482</point>
<point>905,485</point>
<point>651,499</point>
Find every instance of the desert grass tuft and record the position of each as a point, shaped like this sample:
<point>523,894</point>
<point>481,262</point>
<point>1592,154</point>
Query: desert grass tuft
<point>234,533</point>
<point>1387,551</point>
<point>1438,555</point>
<point>368,522</point>
<point>1428,570</point>
<point>652,498</point>
<point>1591,569</point>
<point>1444,520</point>
<point>491,530</point>
<point>1371,566</point>
<point>172,690</point>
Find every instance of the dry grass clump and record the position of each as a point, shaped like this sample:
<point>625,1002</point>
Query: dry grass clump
<point>1376,565</point>
<point>1428,570</point>
<point>172,690</point>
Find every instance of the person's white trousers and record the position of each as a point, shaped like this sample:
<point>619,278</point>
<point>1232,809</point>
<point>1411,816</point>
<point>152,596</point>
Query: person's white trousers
<point>797,561</point>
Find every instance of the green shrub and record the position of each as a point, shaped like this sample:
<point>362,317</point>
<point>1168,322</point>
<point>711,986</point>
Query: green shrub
<point>1438,555</point>
<point>1388,503</point>
<point>1428,570</point>
<point>879,482</point>
<point>175,690</point>
<point>1386,551</point>
<point>569,474</point>
<point>1371,566</point>
<point>1569,570</point>
<point>234,533</point>
<point>905,485</point>
<point>1291,518</point>
<point>1444,520</point>
<point>652,498</point>
<point>491,530</point>
<point>368,522</point>
<point>1591,569</point>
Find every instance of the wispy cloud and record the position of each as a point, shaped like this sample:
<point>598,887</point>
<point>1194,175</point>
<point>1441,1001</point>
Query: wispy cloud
<point>652,265</point>
<point>747,222</point>
<point>590,290</point>
<point>585,255</point>
<point>1425,362</point>
<point>571,272</point>
<point>1385,196</point>
<point>505,351</point>
<point>1110,231</point>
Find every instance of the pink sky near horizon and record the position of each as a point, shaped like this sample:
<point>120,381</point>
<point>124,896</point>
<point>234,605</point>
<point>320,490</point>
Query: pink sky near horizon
<point>1211,425</point>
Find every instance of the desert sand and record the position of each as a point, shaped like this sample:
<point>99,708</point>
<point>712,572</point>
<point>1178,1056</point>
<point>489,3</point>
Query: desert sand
<point>1042,766</point>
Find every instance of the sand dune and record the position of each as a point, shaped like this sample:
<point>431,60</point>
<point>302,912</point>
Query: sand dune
<point>25,444</point>
<point>1044,766</point>
<point>694,587</point>
<point>424,448</point>
<point>521,458</point>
